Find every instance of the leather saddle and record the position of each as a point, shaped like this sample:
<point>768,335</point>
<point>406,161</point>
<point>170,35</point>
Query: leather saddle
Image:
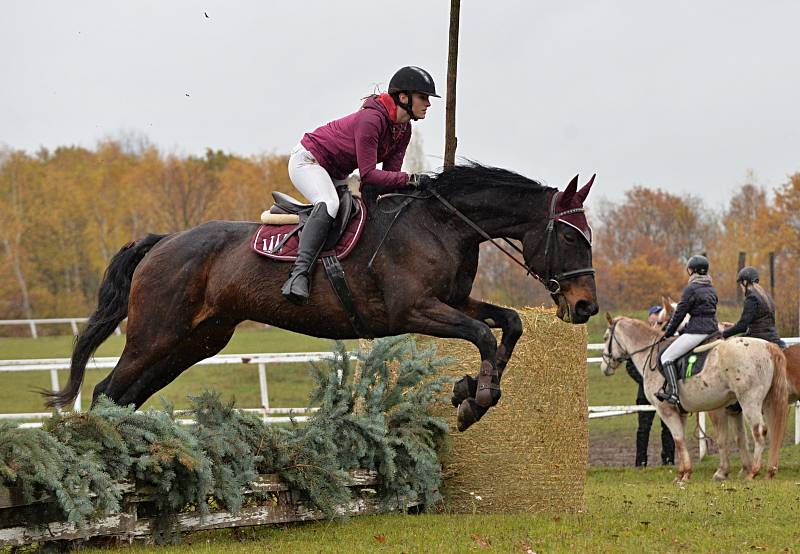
<point>288,210</point>
<point>691,363</point>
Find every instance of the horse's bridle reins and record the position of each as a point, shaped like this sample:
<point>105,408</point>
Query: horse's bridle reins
<point>550,281</point>
<point>613,361</point>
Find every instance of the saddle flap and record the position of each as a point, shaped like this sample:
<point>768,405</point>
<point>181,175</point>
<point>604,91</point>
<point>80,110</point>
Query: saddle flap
<point>346,212</point>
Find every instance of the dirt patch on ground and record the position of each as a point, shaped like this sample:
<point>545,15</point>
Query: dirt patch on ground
<point>618,449</point>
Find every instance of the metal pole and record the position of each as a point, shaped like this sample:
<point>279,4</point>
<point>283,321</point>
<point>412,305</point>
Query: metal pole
<point>797,422</point>
<point>450,140</point>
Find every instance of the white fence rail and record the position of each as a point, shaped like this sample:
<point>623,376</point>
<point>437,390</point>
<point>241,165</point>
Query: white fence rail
<point>32,323</point>
<point>279,415</point>
<point>270,415</point>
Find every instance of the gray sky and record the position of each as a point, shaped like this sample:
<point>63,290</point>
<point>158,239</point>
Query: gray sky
<point>686,96</point>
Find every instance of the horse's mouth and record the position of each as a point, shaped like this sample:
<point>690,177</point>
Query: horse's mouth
<point>564,312</point>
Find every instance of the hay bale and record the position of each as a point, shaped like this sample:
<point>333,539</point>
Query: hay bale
<point>530,452</point>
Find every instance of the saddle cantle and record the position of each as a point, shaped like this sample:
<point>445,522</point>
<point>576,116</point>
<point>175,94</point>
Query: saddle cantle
<point>279,237</point>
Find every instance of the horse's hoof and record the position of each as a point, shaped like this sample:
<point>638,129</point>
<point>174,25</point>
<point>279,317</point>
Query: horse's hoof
<point>468,413</point>
<point>462,389</point>
<point>719,476</point>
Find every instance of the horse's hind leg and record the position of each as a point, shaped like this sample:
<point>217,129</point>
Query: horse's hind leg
<point>755,421</point>
<point>719,418</point>
<point>205,341</point>
<point>495,317</point>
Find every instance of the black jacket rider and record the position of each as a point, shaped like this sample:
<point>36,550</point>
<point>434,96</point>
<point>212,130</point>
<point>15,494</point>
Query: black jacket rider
<point>700,301</point>
<point>757,320</point>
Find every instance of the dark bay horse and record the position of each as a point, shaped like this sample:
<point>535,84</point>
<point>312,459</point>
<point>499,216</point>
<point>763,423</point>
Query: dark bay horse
<point>185,293</point>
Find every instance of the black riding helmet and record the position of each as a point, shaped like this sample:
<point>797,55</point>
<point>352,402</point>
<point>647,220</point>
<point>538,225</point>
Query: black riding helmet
<point>747,275</point>
<point>411,79</point>
<point>697,264</point>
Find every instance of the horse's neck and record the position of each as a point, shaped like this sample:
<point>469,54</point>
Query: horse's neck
<point>502,211</point>
<point>645,359</point>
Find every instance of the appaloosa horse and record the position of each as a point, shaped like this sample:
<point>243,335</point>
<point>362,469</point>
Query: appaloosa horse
<point>185,293</point>
<point>749,370</point>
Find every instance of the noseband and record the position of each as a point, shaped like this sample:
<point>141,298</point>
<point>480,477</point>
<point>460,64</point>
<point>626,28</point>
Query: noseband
<point>608,357</point>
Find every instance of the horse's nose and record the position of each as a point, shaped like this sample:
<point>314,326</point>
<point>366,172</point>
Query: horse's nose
<point>586,309</point>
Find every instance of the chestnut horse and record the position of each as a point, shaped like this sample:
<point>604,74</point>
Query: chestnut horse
<point>185,293</point>
<point>749,370</point>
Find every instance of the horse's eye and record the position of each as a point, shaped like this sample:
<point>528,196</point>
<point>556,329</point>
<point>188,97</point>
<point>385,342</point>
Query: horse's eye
<point>570,236</point>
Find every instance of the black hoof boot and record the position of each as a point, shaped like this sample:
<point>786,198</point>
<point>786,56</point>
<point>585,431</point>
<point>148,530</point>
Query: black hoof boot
<point>468,413</point>
<point>464,388</point>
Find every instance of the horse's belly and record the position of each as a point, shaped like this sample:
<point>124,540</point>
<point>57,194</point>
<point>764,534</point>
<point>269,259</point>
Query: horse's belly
<point>698,394</point>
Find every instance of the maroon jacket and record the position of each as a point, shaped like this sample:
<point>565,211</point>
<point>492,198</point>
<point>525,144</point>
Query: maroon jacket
<point>362,140</point>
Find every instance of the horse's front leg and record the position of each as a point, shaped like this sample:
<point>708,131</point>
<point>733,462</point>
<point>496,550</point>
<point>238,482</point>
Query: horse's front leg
<point>719,418</point>
<point>432,317</point>
<point>676,423</point>
<point>495,317</point>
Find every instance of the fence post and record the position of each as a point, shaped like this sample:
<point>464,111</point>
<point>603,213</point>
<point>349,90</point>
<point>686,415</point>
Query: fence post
<point>797,422</point>
<point>702,446</point>
<point>262,381</point>
<point>32,325</point>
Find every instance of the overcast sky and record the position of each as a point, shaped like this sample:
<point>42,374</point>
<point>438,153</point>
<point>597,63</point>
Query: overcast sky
<point>683,95</point>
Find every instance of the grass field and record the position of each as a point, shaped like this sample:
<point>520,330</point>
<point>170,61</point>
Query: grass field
<point>627,510</point>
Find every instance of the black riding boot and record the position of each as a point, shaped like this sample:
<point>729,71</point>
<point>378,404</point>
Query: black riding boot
<point>670,391</point>
<point>312,239</point>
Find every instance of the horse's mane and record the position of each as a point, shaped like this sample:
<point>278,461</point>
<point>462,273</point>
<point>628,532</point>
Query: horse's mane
<point>475,175</point>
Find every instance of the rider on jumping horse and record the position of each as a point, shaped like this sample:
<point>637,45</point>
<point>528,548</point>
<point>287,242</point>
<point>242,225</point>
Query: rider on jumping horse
<point>699,300</point>
<point>379,132</point>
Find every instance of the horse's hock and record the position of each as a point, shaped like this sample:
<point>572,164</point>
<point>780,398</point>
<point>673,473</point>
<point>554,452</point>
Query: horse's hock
<point>530,452</point>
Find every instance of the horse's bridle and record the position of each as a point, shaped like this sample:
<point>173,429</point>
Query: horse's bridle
<point>612,361</point>
<point>550,281</point>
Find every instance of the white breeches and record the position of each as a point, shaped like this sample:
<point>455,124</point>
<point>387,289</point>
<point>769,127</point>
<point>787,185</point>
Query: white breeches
<point>312,180</point>
<point>681,346</point>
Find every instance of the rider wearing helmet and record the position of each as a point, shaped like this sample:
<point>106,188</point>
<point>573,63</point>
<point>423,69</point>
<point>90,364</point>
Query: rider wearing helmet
<point>379,132</point>
<point>699,301</point>
<point>758,314</point>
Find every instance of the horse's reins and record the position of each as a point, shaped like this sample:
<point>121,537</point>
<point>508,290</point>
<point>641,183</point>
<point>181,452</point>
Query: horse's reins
<point>551,282</point>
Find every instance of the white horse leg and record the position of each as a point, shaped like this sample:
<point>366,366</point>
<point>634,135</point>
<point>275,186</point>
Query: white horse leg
<point>742,444</point>
<point>720,421</point>
<point>755,421</point>
<point>677,426</point>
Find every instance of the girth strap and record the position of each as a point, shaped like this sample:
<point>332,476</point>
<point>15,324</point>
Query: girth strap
<point>336,276</point>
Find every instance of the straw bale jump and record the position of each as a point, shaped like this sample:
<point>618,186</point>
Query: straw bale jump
<point>530,454</point>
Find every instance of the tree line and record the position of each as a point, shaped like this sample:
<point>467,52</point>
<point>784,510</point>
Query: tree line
<point>63,215</point>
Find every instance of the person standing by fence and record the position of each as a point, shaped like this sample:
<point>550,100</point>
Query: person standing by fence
<point>646,418</point>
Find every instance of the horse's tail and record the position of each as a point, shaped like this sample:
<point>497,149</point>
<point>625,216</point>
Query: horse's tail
<point>776,406</point>
<point>112,308</point>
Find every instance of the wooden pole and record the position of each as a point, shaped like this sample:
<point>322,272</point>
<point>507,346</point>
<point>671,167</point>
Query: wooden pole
<point>772,274</point>
<point>742,260</point>
<point>450,140</point>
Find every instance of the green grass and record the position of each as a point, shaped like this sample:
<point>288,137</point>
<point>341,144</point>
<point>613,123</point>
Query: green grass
<point>627,510</point>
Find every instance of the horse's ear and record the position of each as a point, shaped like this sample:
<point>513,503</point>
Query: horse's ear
<point>609,318</point>
<point>584,192</point>
<point>569,192</point>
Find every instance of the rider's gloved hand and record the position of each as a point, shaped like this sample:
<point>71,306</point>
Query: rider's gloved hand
<point>419,180</point>
<point>663,337</point>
